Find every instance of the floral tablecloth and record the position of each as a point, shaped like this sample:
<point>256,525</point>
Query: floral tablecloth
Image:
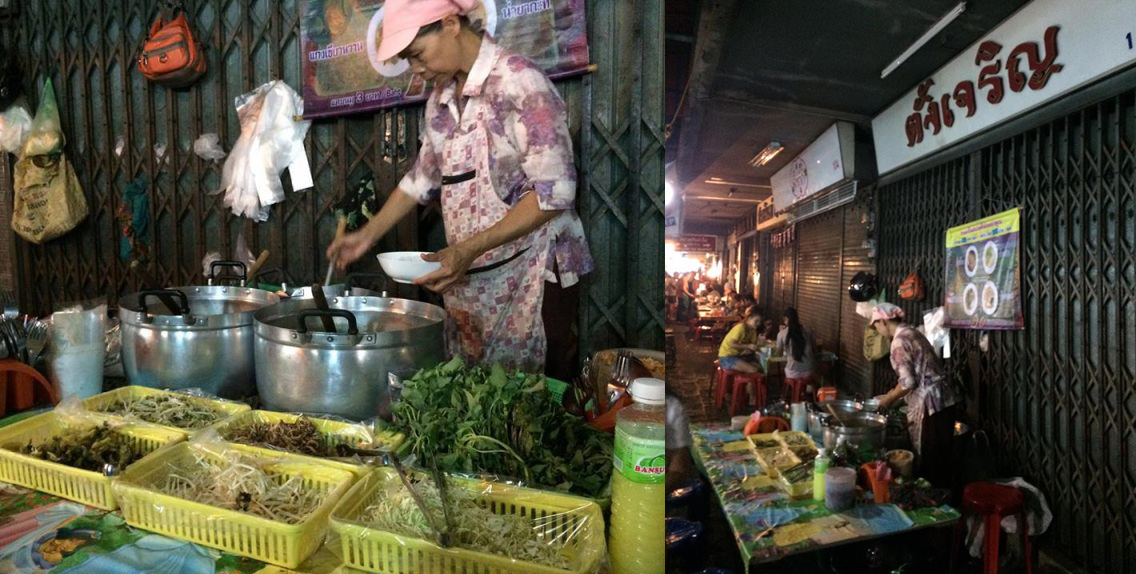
<point>768,525</point>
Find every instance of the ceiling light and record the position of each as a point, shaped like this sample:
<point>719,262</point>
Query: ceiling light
<point>765,155</point>
<point>715,181</point>
<point>669,193</point>
<point>926,37</point>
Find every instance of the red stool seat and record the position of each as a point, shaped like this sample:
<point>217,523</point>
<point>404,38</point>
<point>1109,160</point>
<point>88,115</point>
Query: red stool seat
<point>795,389</point>
<point>993,502</point>
<point>738,382</point>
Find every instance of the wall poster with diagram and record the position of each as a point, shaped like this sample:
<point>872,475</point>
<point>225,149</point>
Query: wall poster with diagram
<point>983,281</point>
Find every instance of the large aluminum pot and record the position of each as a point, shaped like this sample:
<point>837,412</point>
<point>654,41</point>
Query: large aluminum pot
<point>303,368</point>
<point>192,337</point>
<point>860,429</point>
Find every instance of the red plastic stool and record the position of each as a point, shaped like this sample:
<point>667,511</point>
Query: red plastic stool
<point>738,381</point>
<point>771,423</point>
<point>718,380</point>
<point>795,388</point>
<point>22,387</point>
<point>993,502</point>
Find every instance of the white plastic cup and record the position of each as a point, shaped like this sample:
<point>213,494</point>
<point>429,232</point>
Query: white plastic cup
<point>839,488</point>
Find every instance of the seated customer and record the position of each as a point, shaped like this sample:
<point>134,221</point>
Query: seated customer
<point>742,338</point>
<point>798,345</point>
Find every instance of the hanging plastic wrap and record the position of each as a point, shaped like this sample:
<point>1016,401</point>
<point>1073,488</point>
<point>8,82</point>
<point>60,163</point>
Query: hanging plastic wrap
<point>271,141</point>
<point>15,123</point>
<point>208,147</point>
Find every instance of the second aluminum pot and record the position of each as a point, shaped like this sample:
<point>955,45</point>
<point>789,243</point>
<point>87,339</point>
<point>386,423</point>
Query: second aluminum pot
<point>301,367</point>
<point>861,429</point>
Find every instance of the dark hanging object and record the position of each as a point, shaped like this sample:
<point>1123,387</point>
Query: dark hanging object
<point>862,287</point>
<point>10,87</point>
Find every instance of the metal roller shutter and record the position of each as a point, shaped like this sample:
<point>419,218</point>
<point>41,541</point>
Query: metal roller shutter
<point>819,241</point>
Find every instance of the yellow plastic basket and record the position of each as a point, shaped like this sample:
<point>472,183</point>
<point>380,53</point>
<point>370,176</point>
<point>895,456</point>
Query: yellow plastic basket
<point>104,400</point>
<point>85,486</point>
<point>578,520</point>
<point>333,433</point>
<point>286,545</point>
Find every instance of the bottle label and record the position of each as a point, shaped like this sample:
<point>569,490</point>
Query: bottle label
<point>640,460</point>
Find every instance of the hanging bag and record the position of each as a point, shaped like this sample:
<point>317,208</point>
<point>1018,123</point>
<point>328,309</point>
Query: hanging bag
<point>912,288</point>
<point>170,55</point>
<point>876,346</point>
<point>48,198</point>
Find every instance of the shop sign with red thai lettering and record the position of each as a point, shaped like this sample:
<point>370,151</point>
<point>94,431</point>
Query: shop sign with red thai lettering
<point>1045,50</point>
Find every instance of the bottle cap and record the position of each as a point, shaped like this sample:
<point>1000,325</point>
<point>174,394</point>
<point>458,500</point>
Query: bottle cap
<point>649,391</point>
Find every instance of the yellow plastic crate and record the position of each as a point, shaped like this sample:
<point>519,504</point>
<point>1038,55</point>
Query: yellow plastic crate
<point>85,486</point>
<point>367,548</point>
<point>104,400</point>
<point>333,433</point>
<point>286,545</point>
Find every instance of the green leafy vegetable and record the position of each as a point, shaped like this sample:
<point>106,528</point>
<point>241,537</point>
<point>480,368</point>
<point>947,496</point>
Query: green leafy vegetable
<point>478,420</point>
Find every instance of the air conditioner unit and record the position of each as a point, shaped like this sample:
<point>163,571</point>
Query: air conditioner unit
<point>826,201</point>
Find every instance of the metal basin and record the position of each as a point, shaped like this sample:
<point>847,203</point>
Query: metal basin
<point>191,337</point>
<point>302,368</point>
<point>860,429</point>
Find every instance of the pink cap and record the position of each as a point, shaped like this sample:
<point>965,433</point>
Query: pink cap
<point>885,311</point>
<point>403,18</point>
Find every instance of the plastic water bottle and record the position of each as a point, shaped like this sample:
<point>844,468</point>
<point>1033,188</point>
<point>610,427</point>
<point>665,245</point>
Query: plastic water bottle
<point>820,466</point>
<point>637,542</point>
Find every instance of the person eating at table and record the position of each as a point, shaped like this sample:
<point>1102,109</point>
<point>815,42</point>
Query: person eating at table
<point>932,400</point>
<point>797,344</point>
<point>741,339</point>
<point>497,154</point>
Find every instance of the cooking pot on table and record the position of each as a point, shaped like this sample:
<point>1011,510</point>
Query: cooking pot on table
<point>302,368</point>
<point>861,429</point>
<point>195,336</point>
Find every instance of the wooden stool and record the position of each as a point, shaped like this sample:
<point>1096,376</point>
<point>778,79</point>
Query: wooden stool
<point>993,502</point>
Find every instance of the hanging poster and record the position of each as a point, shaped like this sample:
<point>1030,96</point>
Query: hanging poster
<point>983,280</point>
<point>340,38</point>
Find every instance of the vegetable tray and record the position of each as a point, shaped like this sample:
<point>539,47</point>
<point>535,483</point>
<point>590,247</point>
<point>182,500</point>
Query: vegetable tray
<point>576,520</point>
<point>104,400</point>
<point>333,433</point>
<point>266,540</point>
<point>85,486</point>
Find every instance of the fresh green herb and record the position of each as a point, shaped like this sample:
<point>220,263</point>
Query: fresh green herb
<point>89,449</point>
<point>478,420</point>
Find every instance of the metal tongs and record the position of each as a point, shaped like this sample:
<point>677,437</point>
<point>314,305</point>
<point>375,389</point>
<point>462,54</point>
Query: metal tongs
<point>444,538</point>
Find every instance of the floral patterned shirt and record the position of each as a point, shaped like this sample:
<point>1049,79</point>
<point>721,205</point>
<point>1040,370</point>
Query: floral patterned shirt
<point>530,148</point>
<point>922,372</point>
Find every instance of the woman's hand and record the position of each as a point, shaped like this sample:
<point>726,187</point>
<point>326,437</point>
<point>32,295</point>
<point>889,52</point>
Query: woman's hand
<point>455,261</point>
<point>349,248</point>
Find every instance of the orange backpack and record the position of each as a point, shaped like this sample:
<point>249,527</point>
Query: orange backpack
<point>170,55</point>
<point>912,288</point>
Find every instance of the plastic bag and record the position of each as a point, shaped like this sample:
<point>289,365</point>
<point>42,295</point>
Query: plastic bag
<point>271,141</point>
<point>46,134</point>
<point>208,147</point>
<point>521,526</point>
<point>77,350</point>
<point>49,200</point>
<point>15,123</point>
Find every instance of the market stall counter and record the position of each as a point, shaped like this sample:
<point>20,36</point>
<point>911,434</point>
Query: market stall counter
<point>772,518</point>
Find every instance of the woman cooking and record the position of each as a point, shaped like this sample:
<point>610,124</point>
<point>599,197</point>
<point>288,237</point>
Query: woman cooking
<point>931,399</point>
<point>496,152</point>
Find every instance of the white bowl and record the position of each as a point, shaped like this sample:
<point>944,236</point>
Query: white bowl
<point>406,266</point>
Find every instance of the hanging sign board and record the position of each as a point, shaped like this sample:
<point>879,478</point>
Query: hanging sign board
<point>339,40</point>
<point>672,216</point>
<point>696,244</point>
<point>983,276</point>
<point>1045,50</point>
<point>826,162</point>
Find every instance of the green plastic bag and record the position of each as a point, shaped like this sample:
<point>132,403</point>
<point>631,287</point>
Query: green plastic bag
<point>46,134</point>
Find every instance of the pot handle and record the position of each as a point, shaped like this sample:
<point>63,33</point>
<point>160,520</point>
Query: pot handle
<point>351,277</point>
<point>352,325</point>
<point>166,296</point>
<point>243,276</point>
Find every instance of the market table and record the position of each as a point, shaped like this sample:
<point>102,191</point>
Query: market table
<point>768,525</point>
<point>712,320</point>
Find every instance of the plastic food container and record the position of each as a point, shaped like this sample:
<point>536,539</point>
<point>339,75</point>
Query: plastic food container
<point>839,488</point>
